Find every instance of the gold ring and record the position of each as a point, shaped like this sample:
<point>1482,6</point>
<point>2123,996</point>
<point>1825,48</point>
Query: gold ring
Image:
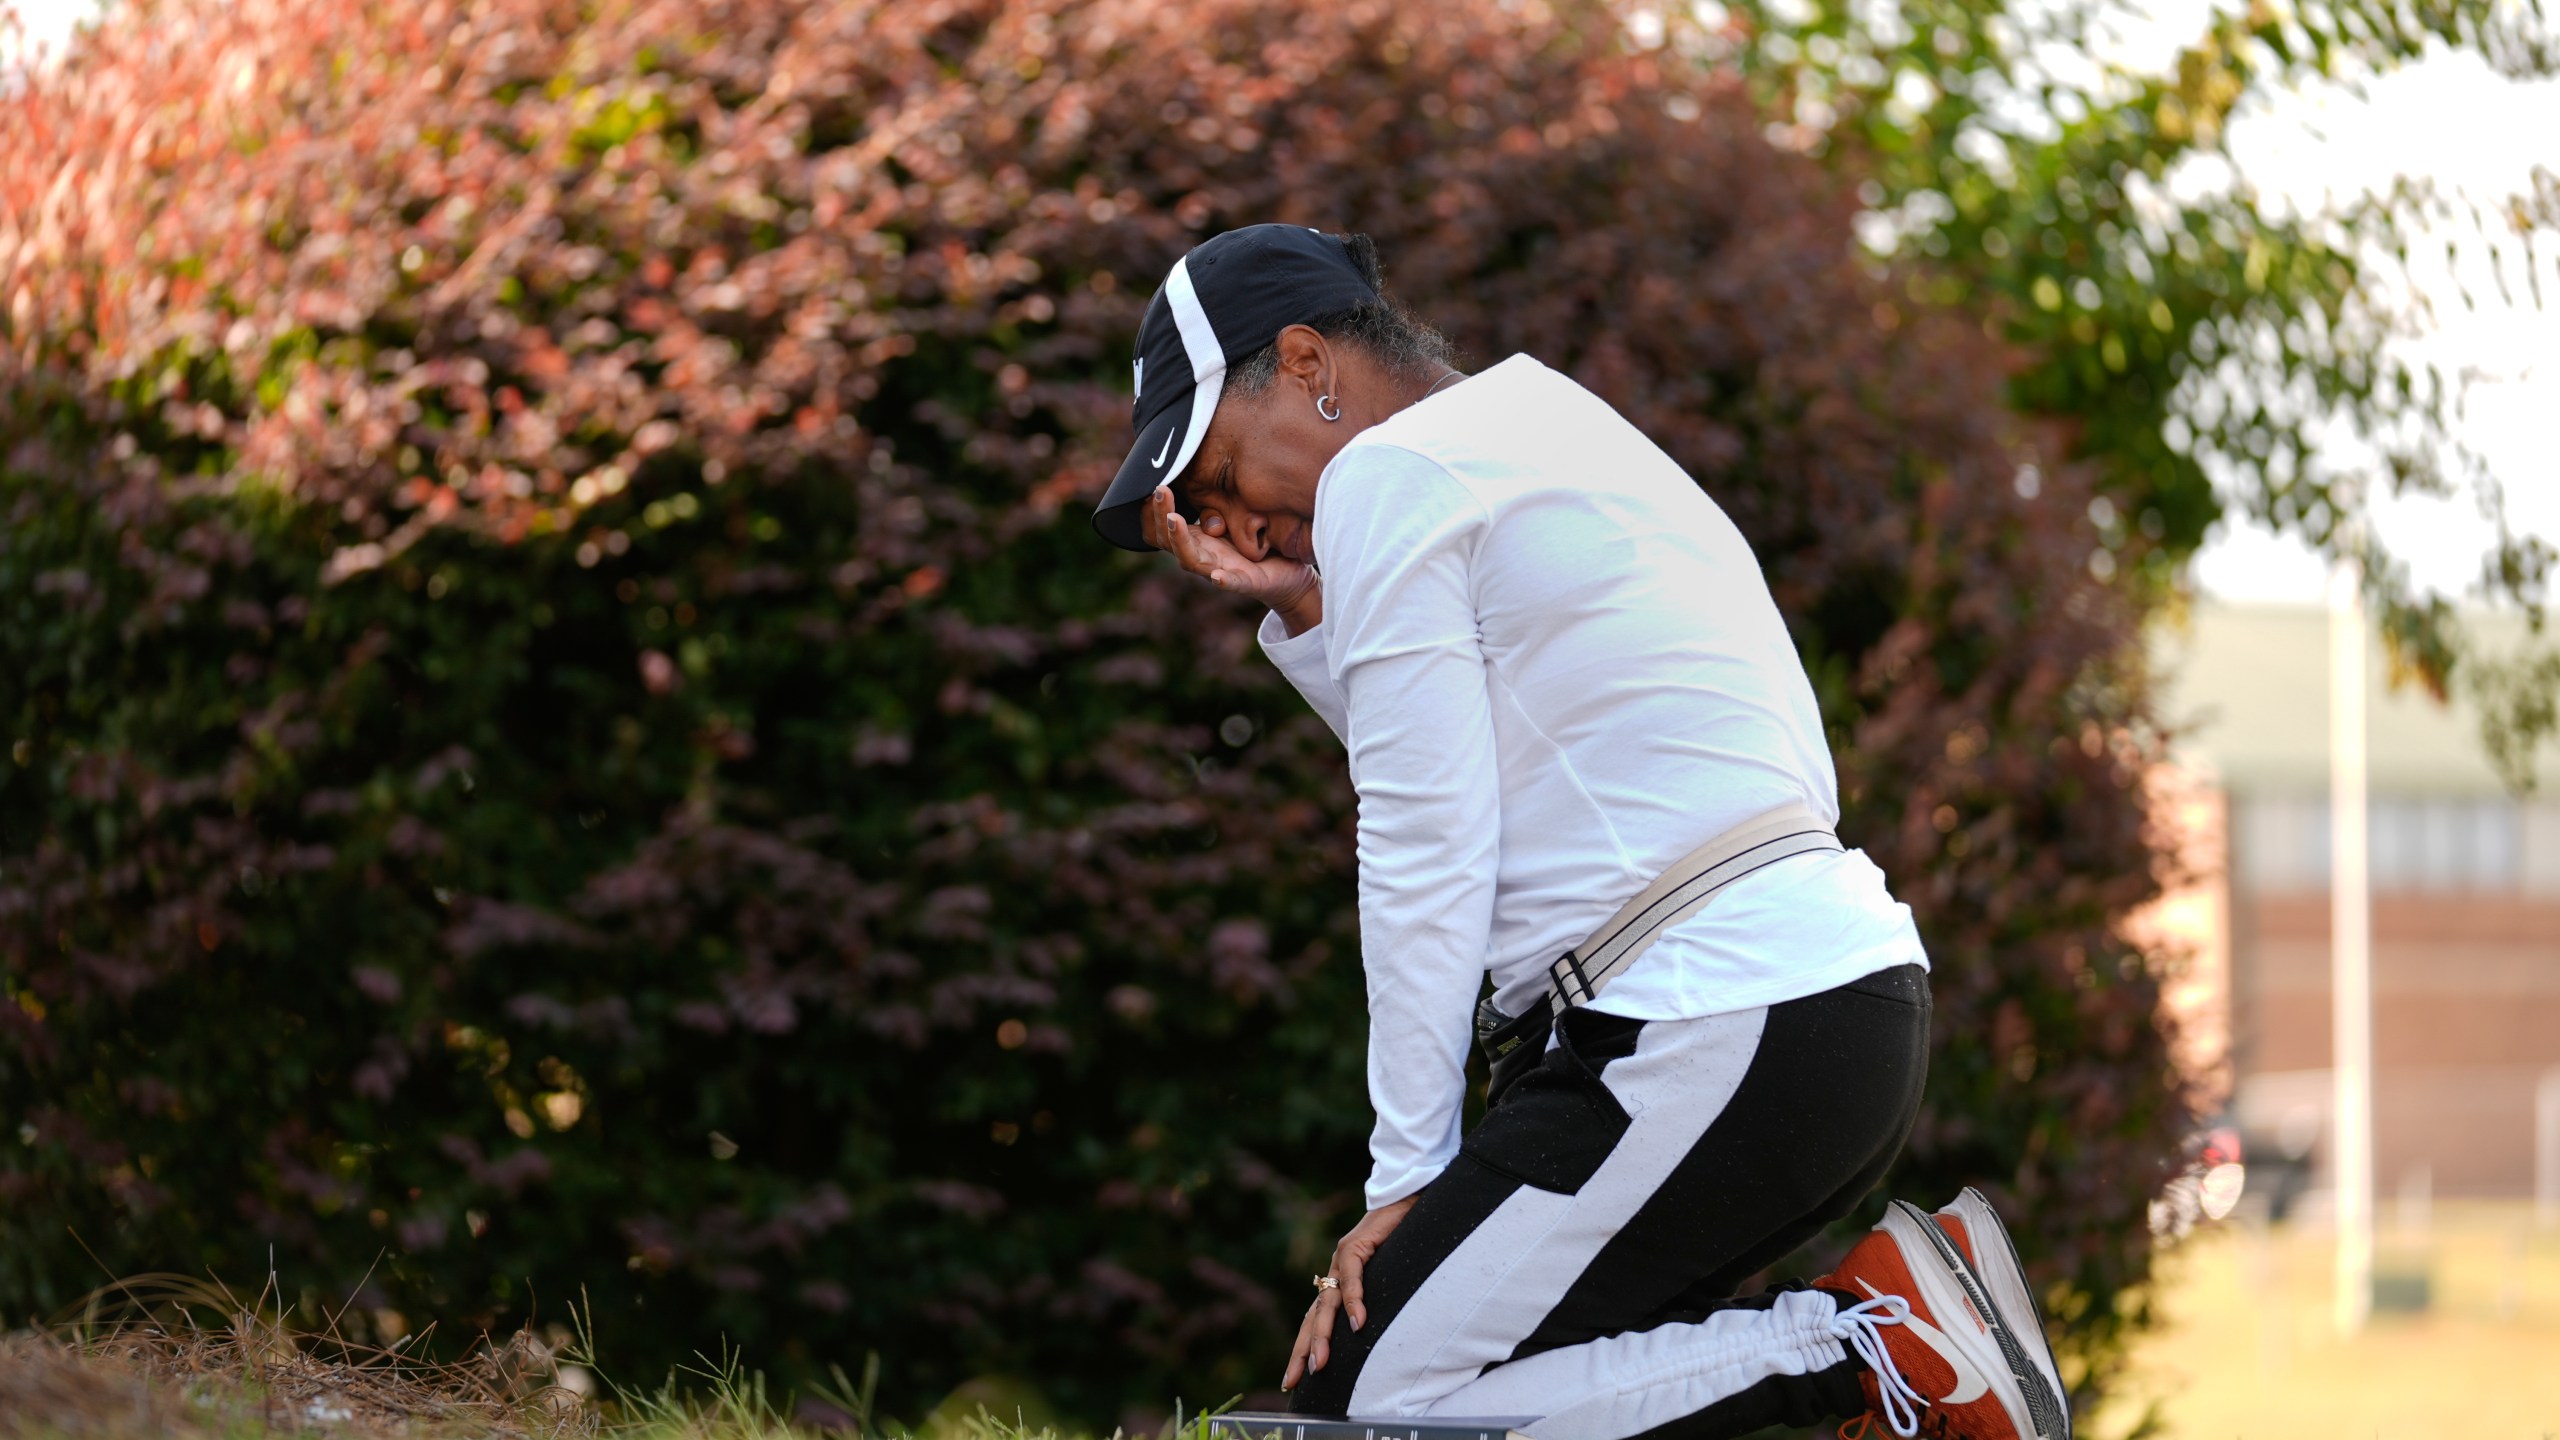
<point>1327,1282</point>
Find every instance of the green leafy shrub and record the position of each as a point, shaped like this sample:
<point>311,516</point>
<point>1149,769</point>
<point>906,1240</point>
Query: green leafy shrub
<point>566,729</point>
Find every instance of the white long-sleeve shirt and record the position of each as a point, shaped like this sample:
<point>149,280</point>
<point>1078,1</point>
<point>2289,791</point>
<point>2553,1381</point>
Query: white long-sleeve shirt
<point>1557,669</point>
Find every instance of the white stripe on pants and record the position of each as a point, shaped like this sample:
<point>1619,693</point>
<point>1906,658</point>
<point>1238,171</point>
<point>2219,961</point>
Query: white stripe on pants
<point>1482,1301</point>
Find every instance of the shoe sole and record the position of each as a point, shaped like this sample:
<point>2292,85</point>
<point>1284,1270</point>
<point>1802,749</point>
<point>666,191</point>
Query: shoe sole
<point>1999,1267</point>
<point>2046,1417</point>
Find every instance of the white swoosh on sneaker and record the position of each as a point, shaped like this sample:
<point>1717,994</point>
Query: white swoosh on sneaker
<point>1971,1383</point>
<point>1167,449</point>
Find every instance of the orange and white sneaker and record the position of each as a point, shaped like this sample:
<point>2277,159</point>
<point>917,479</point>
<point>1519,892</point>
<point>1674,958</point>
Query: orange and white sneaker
<point>1927,1332</point>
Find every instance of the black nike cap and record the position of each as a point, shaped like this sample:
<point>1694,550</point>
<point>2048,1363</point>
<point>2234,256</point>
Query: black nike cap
<point>1224,301</point>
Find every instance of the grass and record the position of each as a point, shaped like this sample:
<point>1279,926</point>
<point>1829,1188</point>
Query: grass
<point>162,1357</point>
<point>2249,1351</point>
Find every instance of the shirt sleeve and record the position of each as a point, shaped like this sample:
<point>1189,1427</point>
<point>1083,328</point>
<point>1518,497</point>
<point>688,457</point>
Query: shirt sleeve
<point>1301,658</point>
<point>1405,651</point>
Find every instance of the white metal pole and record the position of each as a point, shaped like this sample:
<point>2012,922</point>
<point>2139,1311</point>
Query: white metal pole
<point>2350,953</point>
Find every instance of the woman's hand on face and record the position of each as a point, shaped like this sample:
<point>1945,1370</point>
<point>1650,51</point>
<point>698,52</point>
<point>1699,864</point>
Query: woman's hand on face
<point>1315,1333</point>
<point>1288,587</point>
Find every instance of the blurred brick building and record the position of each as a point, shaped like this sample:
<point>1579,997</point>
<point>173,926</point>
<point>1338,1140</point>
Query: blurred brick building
<point>2466,909</point>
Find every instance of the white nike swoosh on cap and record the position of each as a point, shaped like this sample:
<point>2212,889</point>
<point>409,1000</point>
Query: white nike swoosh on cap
<point>1158,462</point>
<point>1970,1381</point>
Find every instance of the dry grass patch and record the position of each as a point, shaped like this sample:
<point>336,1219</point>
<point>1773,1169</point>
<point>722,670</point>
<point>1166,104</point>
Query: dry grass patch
<point>168,1357</point>
<point>171,1355</point>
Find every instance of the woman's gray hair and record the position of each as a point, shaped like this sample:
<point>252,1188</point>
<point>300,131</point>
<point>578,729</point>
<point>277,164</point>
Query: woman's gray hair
<point>1394,336</point>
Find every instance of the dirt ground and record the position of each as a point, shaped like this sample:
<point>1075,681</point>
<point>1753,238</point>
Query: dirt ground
<point>2250,1351</point>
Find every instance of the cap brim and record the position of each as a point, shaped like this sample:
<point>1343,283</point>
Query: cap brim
<point>1164,449</point>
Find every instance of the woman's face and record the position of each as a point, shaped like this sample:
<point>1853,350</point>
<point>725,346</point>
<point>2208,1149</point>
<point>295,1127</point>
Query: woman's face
<point>1253,481</point>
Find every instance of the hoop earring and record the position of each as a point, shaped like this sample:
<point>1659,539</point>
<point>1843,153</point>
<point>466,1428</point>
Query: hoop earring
<point>1333,414</point>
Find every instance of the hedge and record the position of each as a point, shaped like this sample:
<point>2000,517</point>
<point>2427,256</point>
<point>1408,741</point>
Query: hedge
<point>567,734</point>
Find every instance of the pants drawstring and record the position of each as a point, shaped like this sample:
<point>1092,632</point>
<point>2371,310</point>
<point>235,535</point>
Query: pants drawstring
<point>1861,1326</point>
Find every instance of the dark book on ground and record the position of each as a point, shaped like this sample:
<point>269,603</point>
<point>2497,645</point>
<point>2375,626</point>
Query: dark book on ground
<point>1254,1425</point>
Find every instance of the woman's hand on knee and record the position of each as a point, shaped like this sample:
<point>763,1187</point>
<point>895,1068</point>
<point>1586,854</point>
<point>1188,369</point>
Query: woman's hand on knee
<point>1350,1258</point>
<point>1352,1255</point>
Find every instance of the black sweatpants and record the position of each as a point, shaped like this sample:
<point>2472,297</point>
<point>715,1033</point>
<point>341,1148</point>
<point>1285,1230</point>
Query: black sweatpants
<point>1577,1261</point>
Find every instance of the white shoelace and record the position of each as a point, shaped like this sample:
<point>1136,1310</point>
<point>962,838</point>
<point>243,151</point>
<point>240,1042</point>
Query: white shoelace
<point>1861,1325</point>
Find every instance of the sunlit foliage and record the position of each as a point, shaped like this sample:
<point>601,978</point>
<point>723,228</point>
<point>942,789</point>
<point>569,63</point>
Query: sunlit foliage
<point>2064,173</point>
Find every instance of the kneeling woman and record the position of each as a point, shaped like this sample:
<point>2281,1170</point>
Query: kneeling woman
<point>1577,728</point>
